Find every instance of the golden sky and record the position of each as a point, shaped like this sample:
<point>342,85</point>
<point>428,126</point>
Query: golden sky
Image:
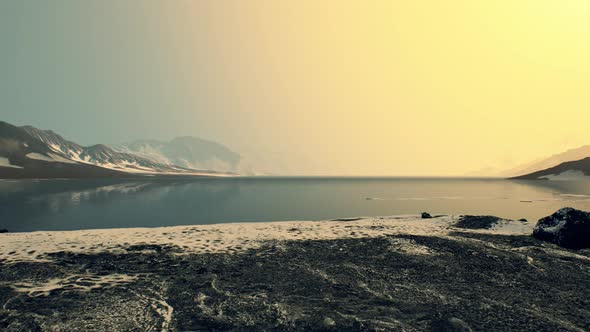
<point>370,87</point>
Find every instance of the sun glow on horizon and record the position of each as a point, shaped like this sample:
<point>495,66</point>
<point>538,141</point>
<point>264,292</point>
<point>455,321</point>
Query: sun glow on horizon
<point>348,87</point>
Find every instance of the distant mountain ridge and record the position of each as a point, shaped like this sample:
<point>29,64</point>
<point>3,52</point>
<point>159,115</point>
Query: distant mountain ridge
<point>186,151</point>
<point>545,163</point>
<point>29,152</point>
<point>571,170</point>
<point>25,156</point>
<point>100,154</point>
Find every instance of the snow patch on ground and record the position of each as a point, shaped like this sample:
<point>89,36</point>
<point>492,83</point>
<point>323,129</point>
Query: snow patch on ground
<point>134,168</point>
<point>38,156</point>
<point>51,157</point>
<point>4,162</point>
<point>81,283</point>
<point>409,247</point>
<point>235,237</point>
<point>55,147</point>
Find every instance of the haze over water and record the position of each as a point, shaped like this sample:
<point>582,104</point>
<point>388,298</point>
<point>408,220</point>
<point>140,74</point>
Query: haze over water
<point>71,205</point>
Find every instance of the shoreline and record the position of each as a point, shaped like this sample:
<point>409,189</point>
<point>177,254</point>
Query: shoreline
<point>398,273</point>
<point>238,236</point>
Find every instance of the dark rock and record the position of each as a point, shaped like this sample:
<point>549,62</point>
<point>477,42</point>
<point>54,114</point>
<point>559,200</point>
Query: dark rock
<point>568,228</point>
<point>477,222</point>
<point>523,220</point>
<point>426,215</point>
<point>3,230</point>
<point>349,284</point>
<point>450,325</point>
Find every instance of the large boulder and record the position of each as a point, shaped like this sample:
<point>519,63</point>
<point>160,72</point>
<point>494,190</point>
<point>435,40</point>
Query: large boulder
<point>568,228</point>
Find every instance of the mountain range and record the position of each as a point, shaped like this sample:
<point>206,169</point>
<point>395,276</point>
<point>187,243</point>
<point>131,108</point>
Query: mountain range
<point>188,152</point>
<point>29,152</point>
<point>570,170</point>
<point>549,162</point>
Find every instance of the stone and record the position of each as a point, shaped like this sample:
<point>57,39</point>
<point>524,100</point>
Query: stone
<point>568,228</point>
<point>450,325</point>
<point>329,322</point>
<point>426,215</point>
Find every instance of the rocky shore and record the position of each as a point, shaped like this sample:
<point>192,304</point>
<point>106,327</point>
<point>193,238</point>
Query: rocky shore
<point>445,273</point>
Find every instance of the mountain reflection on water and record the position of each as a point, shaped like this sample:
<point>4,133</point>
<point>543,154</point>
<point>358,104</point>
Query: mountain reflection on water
<point>82,204</point>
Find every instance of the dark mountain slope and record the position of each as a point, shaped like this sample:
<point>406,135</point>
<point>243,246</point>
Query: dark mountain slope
<point>579,167</point>
<point>25,156</point>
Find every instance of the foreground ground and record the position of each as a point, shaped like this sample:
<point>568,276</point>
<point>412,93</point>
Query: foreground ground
<point>399,273</point>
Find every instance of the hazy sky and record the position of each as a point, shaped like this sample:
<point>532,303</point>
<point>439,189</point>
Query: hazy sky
<point>319,87</point>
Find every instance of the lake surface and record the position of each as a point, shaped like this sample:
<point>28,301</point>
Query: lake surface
<point>86,204</point>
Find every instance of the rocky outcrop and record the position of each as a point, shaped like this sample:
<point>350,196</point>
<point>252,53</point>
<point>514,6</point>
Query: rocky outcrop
<point>568,228</point>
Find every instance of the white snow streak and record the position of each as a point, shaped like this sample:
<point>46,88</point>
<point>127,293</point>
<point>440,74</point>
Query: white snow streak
<point>4,162</point>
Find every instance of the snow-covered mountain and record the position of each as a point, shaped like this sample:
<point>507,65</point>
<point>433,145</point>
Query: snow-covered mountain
<point>23,155</point>
<point>189,152</point>
<point>28,152</point>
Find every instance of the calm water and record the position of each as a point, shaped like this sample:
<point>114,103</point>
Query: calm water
<point>74,204</point>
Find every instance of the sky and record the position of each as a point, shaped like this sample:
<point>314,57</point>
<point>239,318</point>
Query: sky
<point>329,87</point>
